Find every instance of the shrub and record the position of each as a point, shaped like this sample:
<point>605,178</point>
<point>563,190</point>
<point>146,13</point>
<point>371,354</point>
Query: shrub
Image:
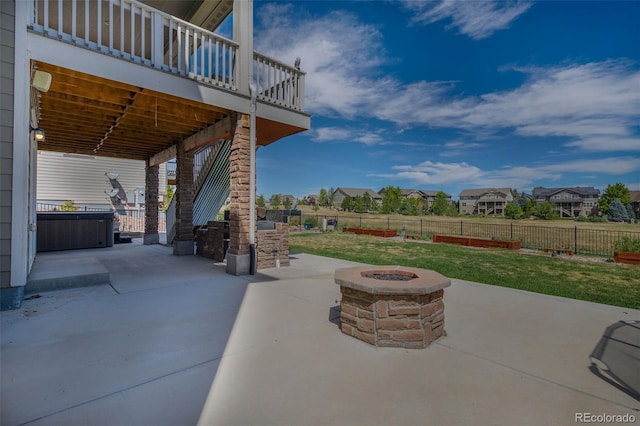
<point>68,206</point>
<point>312,221</point>
<point>546,211</point>
<point>627,244</point>
<point>618,212</point>
<point>513,211</point>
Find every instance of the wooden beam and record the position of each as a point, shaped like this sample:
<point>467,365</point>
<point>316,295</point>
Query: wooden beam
<point>219,130</point>
<point>163,156</point>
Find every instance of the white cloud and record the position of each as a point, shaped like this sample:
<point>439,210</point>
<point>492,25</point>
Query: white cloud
<point>476,19</point>
<point>338,53</point>
<point>428,173</point>
<point>369,138</point>
<point>345,134</point>
<point>331,134</point>
<point>455,148</point>
<point>594,106</point>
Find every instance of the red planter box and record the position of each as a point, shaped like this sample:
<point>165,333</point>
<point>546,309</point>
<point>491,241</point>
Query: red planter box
<point>386,233</point>
<point>477,242</point>
<point>629,258</point>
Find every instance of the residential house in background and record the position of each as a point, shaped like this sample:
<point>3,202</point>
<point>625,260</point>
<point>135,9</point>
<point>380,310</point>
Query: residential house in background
<point>485,201</point>
<point>569,202</point>
<point>430,196</point>
<point>427,196</point>
<point>341,193</point>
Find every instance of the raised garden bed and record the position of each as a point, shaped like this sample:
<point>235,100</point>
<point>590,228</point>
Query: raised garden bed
<point>630,258</point>
<point>477,242</point>
<point>386,233</point>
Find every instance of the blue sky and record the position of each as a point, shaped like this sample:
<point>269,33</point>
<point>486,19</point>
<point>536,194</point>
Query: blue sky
<point>448,95</point>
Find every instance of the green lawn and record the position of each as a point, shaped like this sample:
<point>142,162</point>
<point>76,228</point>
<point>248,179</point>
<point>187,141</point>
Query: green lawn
<point>608,283</point>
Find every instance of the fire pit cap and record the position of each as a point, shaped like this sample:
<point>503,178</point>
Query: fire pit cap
<point>363,278</point>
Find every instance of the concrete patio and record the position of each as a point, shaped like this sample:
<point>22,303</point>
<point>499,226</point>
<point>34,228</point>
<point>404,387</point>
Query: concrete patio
<point>177,341</point>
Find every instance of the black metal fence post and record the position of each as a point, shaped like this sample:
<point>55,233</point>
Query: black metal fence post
<point>575,240</point>
<point>461,222</point>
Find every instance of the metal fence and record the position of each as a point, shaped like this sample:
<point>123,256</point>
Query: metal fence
<point>598,242</point>
<point>130,219</point>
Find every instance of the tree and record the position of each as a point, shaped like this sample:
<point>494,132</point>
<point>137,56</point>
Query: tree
<point>322,199</point>
<point>347,204</point>
<point>260,201</point>
<point>286,203</point>
<point>330,195</point>
<point>546,211</point>
<point>275,202</point>
<point>358,204</point>
<point>391,200</point>
<point>453,210</point>
<point>630,212</point>
<point>618,212</point>
<point>440,204</point>
<point>616,191</point>
<point>513,211</point>
<point>529,205</point>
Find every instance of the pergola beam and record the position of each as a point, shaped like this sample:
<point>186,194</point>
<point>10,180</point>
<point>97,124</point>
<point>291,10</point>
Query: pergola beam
<point>221,129</point>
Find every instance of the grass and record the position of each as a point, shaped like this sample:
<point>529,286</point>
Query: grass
<point>611,284</point>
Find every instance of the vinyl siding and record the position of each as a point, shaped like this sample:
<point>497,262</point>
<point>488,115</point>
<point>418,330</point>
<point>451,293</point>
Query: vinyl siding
<point>83,179</point>
<point>7,42</point>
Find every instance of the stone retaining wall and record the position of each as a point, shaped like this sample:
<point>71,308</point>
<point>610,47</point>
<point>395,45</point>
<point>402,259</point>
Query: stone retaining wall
<point>272,245</point>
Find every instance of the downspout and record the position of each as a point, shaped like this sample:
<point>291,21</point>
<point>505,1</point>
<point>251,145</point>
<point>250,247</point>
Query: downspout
<point>252,178</point>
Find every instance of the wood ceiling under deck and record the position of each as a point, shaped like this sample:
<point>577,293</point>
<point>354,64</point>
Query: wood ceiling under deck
<point>89,115</point>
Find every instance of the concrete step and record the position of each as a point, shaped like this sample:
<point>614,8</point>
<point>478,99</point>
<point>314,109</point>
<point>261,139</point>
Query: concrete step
<point>55,273</point>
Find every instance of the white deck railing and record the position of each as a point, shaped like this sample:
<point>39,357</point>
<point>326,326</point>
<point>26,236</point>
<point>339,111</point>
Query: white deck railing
<point>278,83</point>
<point>133,31</point>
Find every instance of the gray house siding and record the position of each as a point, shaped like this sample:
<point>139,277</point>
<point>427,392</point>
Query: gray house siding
<point>7,42</point>
<point>83,180</point>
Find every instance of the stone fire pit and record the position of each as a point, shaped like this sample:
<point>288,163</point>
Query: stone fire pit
<point>392,306</point>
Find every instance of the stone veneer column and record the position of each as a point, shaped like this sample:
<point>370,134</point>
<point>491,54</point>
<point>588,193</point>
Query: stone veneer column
<point>183,241</point>
<point>238,255</point>
<point>151,204</point>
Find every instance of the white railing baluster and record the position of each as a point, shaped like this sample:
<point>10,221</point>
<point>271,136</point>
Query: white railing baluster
<point>86,22</point>
<point>74,12</point>
<point>170,59</point>
<point>143,40</point>
<point>121,28</point>
<point>46,15</point>
<point>202,52</point>
<point>111,26</point>
<point>224,64</point>
<point>217,75</point>
<point>60,19</point>
<point>132,30</point>
<point>99,25</point>
<point>210,56</point>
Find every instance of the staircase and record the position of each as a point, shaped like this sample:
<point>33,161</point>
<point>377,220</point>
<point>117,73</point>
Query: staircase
<point>211,186</point>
